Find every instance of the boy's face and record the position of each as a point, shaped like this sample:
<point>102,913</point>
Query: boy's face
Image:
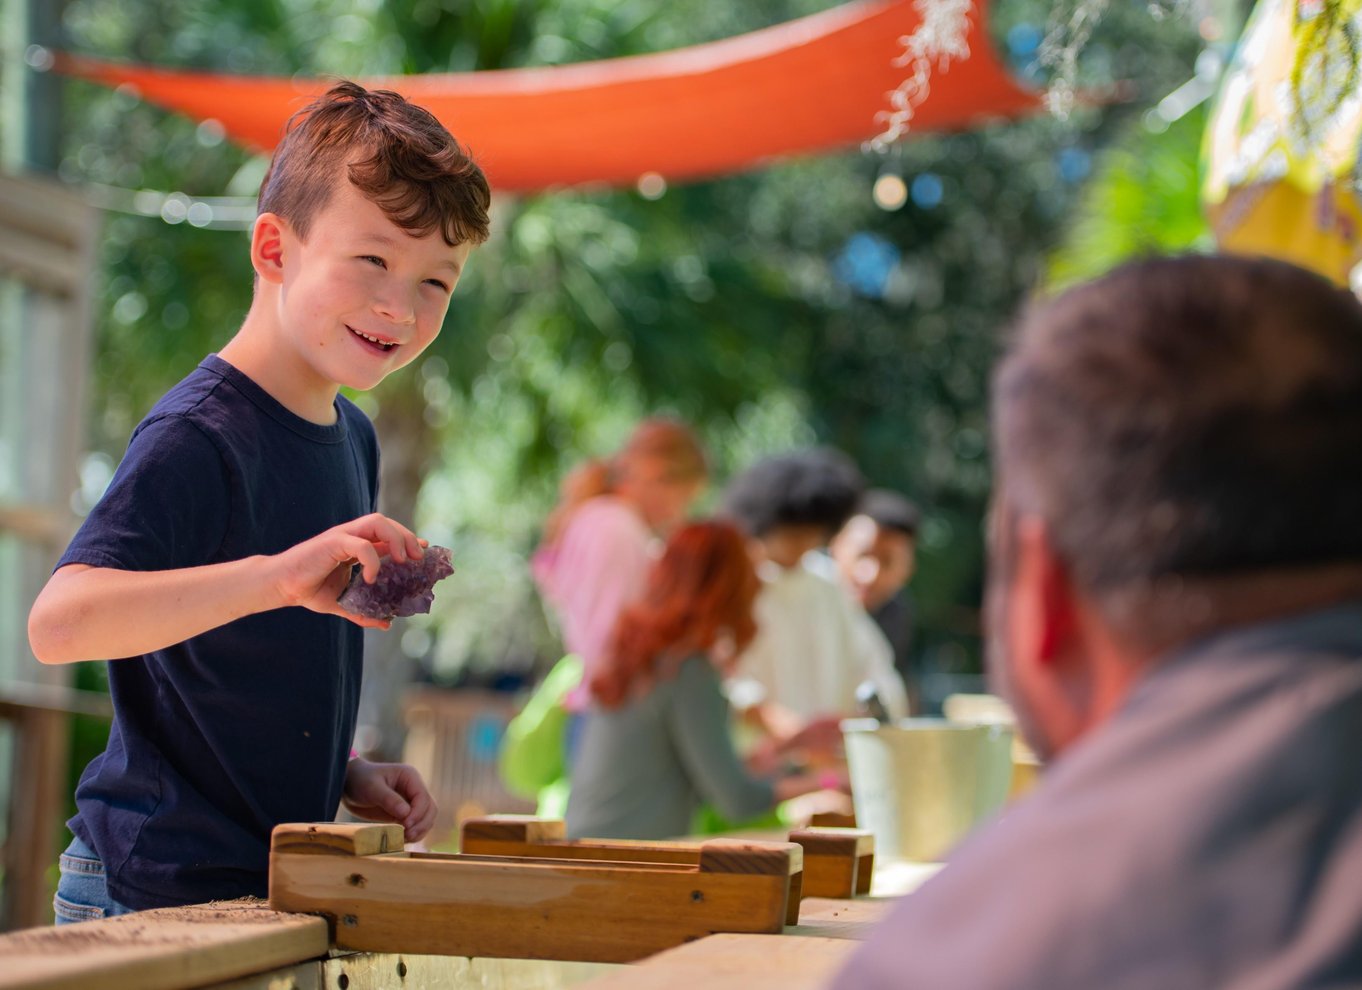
<point>361,296</point>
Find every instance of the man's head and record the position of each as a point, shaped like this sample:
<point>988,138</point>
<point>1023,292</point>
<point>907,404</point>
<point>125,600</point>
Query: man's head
<point>1176,451</point>
<point>367,216</point>
<point>793,503</point>
<point>876,549</point>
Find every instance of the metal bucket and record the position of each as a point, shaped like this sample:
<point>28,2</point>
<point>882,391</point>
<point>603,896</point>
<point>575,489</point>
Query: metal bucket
<point>920,784</point>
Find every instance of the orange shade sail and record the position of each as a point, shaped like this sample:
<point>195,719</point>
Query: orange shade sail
<point>814,84</point>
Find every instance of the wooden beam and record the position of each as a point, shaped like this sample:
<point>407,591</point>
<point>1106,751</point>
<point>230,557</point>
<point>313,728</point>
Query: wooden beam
<point>37,523</point>
<point>507,835</point>
<point>17,699</point>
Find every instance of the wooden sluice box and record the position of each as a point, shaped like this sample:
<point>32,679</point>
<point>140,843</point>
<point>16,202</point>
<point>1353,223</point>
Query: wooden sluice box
<point>379,898</point>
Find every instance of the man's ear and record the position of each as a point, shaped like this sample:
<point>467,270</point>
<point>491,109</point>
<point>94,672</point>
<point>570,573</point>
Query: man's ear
<point>1052,590</point>
<point>267,246</point>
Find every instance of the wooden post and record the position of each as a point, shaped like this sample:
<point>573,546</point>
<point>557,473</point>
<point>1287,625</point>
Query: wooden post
<point>40,719</point>
<point>47,239</point>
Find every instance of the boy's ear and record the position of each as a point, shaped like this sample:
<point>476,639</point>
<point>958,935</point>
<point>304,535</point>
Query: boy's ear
<point>267,246</point>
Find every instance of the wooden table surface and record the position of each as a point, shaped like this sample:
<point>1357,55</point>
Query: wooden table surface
<point>803,957</point>
<point>246,946</point>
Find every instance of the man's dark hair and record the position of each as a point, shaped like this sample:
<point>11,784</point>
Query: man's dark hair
<point>815,487</point>
<point>1191,417</point>
<point>890,510</point>
<point>395,153</point>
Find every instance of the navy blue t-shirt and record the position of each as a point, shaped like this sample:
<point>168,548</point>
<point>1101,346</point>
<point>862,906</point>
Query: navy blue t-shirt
<point>218,739</point>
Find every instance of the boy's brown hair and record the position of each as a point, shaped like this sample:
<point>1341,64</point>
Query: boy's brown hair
<point>395,153</point>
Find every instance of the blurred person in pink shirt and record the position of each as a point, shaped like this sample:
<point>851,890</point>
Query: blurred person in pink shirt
<point>601,539</point>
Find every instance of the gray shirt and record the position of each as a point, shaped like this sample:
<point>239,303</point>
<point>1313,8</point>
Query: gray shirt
<point>640,771</point>
<point>1208,836</point>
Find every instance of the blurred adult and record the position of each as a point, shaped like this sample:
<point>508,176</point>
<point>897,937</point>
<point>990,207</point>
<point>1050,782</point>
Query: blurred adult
<point>600,540</point>
<point>876,555</point>
<point>1175,614</point>
<point>655,744</point>
<point>815,644</point>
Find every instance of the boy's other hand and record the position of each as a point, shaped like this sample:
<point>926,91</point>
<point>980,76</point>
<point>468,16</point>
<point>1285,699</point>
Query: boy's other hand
<point>389,792</point>
<point>315,572</point>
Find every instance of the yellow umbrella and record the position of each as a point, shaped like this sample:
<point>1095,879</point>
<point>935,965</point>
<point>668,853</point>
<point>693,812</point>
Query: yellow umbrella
<point>1281,151</point>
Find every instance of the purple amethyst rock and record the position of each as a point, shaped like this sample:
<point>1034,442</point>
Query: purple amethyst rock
<point>400,589</point>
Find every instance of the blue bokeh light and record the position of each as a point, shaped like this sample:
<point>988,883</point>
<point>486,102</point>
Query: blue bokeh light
<point>865,264</point>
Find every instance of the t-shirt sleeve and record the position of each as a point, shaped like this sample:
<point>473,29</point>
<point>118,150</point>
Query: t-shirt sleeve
<point>167,506</point>
<point>698,723</point>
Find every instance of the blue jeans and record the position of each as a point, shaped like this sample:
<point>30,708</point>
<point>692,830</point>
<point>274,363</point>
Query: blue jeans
<point>82,893</point>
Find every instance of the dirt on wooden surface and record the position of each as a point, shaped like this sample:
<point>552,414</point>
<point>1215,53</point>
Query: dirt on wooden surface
<point>162,926</point>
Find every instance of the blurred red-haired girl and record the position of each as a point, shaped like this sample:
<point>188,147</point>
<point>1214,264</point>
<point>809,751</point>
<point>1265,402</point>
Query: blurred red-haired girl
<point>656,742</point>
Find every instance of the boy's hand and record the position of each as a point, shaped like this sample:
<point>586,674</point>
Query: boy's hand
<point>316,571</point>
<point>389,792</point>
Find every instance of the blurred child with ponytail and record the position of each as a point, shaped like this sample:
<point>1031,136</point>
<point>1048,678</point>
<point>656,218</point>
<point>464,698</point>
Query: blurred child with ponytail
<point>654,743</point>
<point>598,545</point>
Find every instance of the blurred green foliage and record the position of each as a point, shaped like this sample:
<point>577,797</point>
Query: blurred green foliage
<point>774,308</point>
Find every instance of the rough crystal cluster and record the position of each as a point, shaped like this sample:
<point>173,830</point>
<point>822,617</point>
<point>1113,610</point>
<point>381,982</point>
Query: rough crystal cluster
<point>400,589</point>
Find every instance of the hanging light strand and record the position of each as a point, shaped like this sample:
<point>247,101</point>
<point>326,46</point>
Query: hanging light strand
<point>939,38</point>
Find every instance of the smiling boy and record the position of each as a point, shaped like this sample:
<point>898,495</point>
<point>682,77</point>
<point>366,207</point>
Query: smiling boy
<point>212,565</point>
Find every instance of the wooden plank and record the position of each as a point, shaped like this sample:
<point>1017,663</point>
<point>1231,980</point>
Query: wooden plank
<point>45,208</point>
<point>514,835</point>
<point>526,837</point>
<point>18,698</point>
<point>599,850</point>
<point>166,949</point>
<point>36,523</point>
<point>548,909</point>
<point>736,962</point>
